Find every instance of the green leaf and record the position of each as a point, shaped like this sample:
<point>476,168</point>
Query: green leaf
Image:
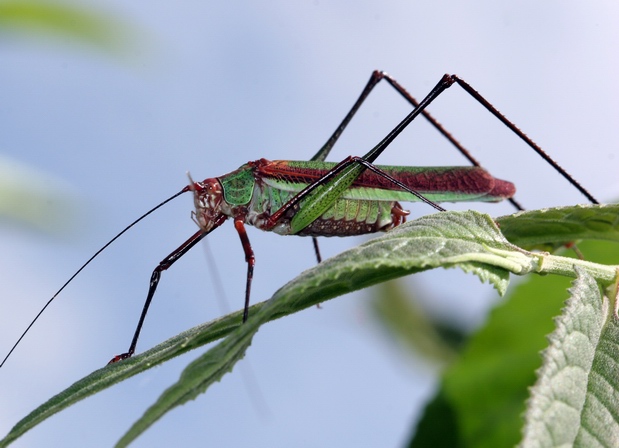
<point>433,241</point>
<point>483,394</point>
<point>202,372</point>
<point>552,228</point>
<point>468,240</point>
<point>574,402</point>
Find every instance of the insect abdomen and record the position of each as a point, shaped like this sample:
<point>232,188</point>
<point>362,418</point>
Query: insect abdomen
<point>346,216</point>
<point>353,217</point>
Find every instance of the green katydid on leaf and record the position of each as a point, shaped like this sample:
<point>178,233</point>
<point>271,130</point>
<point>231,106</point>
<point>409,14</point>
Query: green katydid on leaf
<point>353,197</point>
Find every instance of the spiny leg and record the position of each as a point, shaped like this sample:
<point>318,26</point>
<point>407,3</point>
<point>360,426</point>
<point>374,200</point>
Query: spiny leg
<point>317,249</point>
<point>435,123</point>
<point>510,125</point>
<point>83,266</point>
<point>249,258</point>
<point>446,82</point>
<point>323,152</point>
<point>375,78</point>
<point>347,173</point>
<point>330,176</point>
<point>493,110</point>
<point>154,282</point>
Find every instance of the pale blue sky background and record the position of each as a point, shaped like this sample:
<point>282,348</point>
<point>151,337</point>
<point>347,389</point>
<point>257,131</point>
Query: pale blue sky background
<point>213,85</point>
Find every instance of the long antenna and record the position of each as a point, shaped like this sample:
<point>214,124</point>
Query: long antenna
<point>86,264</point>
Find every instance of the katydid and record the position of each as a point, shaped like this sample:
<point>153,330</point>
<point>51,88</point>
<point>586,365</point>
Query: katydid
<point>318,198</point>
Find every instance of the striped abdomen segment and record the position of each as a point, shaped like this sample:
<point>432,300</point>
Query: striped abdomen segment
<point>345,218</point>
<point>356,217</point>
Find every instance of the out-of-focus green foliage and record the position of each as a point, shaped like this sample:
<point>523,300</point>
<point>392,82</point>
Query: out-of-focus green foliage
<point>76,24</point>
<point>35,198</point>
<point>28,195</point>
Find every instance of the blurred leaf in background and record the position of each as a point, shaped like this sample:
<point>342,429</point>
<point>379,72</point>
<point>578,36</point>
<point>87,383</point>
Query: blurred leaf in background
<point>29,195</point>
<point>70,23</point>
<point>35,198</point>
<point>409,324</point>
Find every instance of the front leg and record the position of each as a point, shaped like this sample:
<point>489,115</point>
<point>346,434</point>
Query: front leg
<point>249,258</point>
